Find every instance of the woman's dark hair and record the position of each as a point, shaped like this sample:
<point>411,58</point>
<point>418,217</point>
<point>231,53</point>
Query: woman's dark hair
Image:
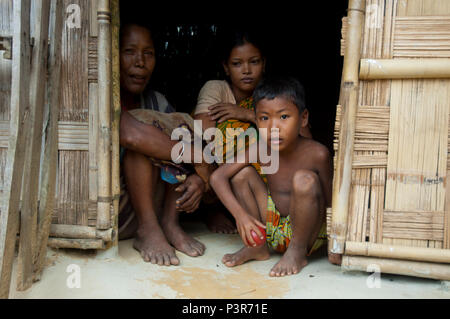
<point>126,24</point>
<point>229,38</point>
<point>281,86</point>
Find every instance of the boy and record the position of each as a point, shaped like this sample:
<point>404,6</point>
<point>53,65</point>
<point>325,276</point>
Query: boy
<point>291,207</point>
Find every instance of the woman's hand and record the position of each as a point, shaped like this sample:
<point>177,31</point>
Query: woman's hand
<point>192,189</point>
<point>221,112</point>
<point>245,224</point>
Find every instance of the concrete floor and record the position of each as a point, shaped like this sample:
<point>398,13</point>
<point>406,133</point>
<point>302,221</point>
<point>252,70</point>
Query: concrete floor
<point>125,275</point>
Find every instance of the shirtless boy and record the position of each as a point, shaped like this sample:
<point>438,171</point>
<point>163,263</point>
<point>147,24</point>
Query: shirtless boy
<point>291,207</point>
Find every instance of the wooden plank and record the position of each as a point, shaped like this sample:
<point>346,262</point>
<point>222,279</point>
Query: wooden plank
<point>28,217</point>
<point>49,164</point>
<point>6,27</point>
<point>20,109</point>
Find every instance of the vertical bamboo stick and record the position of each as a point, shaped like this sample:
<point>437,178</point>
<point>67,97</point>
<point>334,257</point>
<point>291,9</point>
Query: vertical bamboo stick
<point>446,243</point>
<point>104,104</point>
<point>349,92</point>
<point>9,218</point>
<point>28,220</point>
<point>115,174</point>
<point>50,160</point>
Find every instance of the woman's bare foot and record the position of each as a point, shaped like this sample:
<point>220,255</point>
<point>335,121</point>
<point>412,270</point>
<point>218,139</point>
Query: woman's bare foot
<point>182,241</point>
<point>246,254</point>
<point>218,222</point>
<point>153,246</point>
<point>292,262</point>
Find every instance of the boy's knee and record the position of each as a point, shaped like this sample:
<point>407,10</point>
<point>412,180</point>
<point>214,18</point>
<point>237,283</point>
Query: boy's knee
<point>305,182</point>
<point>243,175</point>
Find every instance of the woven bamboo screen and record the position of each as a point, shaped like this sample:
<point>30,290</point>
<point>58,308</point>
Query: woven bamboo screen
<point>397,213</point>
<point>85,208</point>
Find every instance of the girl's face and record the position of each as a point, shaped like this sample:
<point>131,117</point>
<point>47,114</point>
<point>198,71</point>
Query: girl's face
<point>137,59</point>
<point>245,68</point>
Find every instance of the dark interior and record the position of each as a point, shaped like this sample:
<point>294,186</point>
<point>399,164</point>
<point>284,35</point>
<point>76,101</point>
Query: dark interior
<point>301,40</point>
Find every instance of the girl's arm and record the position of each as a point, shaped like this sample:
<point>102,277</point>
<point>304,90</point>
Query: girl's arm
<point>221,112</point>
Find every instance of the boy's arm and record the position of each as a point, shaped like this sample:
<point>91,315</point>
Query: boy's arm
<point>220,182</point>
<point>325,170</point>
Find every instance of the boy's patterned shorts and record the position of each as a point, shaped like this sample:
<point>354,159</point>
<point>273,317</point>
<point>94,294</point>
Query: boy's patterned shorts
<point>279,230</point>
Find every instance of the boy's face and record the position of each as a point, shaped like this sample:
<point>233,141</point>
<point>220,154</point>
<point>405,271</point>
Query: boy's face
<point>137,59</point>
<point>280,113</point>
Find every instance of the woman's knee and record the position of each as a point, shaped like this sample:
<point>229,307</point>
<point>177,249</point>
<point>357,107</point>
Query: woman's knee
<point>305,182</point>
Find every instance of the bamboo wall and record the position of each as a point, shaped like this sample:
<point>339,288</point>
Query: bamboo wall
<point>398,199</point>
<point>81,126</point>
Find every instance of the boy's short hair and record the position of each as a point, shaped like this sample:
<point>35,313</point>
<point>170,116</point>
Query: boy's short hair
<point>281,86</point>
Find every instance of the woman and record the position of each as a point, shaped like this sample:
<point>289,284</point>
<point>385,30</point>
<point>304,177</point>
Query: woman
<point>155,229</point>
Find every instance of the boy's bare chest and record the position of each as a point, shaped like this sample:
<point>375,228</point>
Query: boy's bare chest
<point>281,181</point>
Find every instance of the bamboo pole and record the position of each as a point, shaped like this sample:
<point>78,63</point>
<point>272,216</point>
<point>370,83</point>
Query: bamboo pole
<point>397,252</point>
<point>398,267</point>
<point>115,166</point>
<point>446,243</point>
<point>80,232</point>
<point>380,69</point>
<point>349,99</point>
<point>30,191</point>
<point>104,105</point>
<point>76,243</point>
<point>50,160</point>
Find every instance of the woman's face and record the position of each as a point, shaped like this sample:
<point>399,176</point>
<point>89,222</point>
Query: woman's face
<point>245,67</point>
<point>137,59</point>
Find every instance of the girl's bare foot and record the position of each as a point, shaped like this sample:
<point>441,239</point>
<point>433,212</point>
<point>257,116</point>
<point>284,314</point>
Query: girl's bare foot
<point>182,241</point>
<point>153,246</point>
<point>246,254</point>
<point>292,262</point>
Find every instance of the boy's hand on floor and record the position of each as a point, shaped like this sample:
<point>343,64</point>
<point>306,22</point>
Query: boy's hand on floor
<point>245,225</point>
<point>192,189</point>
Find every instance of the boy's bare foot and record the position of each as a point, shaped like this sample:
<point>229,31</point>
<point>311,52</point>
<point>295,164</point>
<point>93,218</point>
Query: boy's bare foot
<point>218,222</point>
<point>182,241</point>
<point>292,262</point>
<point>246,254</point>
<point>153,246</point>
